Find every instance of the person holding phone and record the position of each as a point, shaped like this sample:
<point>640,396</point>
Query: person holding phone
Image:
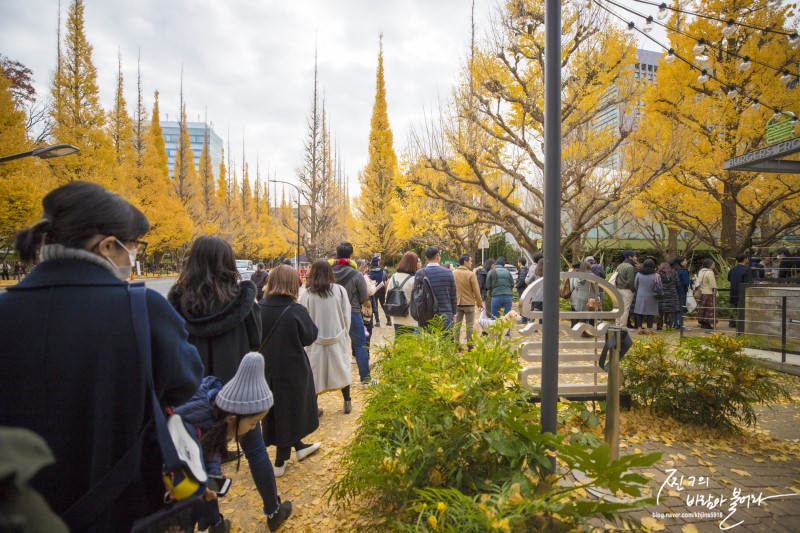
<point>223,413</point>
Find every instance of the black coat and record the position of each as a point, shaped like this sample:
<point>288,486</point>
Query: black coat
<point>224,336</point>
<point>670,302</point>
<point>288,372</point>
<point>71,372</point>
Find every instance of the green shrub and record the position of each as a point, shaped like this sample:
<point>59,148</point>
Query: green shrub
<point>707,381</point>
<point>449,441</point>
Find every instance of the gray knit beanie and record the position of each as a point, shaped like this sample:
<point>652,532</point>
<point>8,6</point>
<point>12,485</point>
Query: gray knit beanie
<point>247,393</point>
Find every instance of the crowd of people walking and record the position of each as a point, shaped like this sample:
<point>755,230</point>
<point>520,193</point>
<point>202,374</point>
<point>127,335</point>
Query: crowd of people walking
<point>241,361</point>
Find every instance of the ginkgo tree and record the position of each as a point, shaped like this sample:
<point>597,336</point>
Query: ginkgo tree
<point>495,124</point>
<point>719,116</point>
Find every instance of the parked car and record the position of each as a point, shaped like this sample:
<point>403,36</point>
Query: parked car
<point>513,271</point>
<point>245,268</point>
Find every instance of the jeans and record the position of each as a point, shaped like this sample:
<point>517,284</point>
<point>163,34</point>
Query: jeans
<point>677,318</point>
<point>500,302</point>
<point>252,444</point>
<point>464,313</point>
<point>358,343</point>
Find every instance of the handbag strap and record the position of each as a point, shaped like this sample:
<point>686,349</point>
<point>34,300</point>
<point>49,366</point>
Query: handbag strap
<point>102,494</point>
<point>141,327</point>
<point>274,325</point>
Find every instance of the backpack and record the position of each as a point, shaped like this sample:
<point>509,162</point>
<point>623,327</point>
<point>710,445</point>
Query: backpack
<point>396,303</point>
<point>423,301</point>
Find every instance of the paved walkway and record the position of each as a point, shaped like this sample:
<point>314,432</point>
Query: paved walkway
<point>749,483</point>
<point>745,473</point>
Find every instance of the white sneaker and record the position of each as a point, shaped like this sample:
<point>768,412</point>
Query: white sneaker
<point>279,470</point>
<point>305,452</point>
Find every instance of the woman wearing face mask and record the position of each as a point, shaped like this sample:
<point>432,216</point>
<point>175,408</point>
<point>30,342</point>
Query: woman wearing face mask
<point>71,368</point>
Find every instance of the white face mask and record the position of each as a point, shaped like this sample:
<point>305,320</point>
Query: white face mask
<point>124,272</point>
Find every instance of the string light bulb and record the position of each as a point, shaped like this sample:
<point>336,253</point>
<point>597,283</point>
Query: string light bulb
<point>648,25</point>
<point>794,40</point>
<point>786,77</point>
<point>744,64</point>
<point>703,77</point>
<point>699,49</point>
<point>756,105</point>
<point>732,92</point>
<point>631,29</point>
<point>729,29</point>
<point>670,57</point>
<point>778,114</point>
<point>663,12</point>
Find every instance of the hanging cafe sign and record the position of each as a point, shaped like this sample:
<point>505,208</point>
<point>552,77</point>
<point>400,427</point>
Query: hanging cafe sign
<point>767,159</point>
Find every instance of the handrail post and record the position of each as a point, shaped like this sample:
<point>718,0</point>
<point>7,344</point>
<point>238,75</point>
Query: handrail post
<point>783,329</point>
<point>612,395</point>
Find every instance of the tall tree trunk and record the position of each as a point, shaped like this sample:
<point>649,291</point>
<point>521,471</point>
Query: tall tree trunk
<point>728,240</point>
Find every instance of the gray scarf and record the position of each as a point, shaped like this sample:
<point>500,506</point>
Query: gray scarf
<point>59,251</point>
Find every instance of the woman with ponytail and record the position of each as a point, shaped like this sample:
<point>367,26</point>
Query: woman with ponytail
<point>71,368</point>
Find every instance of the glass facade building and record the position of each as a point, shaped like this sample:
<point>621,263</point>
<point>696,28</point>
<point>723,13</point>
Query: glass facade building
<point>197,133</point>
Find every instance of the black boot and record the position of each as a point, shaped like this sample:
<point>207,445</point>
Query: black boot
<point>283,512</point>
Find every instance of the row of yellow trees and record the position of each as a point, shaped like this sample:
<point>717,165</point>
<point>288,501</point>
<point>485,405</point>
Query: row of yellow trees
<point>127,155</point>
<point>478,164</point>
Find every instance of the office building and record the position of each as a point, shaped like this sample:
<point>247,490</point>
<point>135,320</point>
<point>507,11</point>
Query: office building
<point>197,131</point>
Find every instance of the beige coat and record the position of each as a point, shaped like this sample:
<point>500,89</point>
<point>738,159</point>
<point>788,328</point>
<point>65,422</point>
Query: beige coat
<point>329,356</point>
<point>467,290</point>
<point>707,281</point>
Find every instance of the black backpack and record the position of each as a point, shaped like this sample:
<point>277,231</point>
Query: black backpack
<point>396,303</point>
<point>423,301</point>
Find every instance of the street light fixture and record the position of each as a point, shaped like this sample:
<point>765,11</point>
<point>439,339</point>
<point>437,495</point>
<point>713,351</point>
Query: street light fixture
<point>297,258</point>
<point>48,152</point>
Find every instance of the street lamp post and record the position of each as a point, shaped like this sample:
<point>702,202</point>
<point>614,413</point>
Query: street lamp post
<point>48,152</point>
<point>297,258</point>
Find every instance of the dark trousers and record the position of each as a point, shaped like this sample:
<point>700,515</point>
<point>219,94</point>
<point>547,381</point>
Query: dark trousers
<point>380,298</point>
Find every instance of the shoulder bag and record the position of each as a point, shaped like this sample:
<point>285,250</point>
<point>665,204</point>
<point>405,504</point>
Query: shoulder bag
<point>698,293</point>
<point>658,288</point>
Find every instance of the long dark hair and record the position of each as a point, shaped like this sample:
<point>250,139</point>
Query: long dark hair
<point>76,212</point>
<point>209,278</point>
<point>215,440</point>
<point>320,279</point>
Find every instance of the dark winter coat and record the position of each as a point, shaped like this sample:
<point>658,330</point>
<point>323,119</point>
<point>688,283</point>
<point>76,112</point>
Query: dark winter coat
<point>669,303</point>
<point>225,335</point>
<point>521,284</point>
<point>72,372</point>
<point>499,281</point>
<point>683,285</point>
<point>199,412</point>
<point>738,275</point>
<point>288,371</point>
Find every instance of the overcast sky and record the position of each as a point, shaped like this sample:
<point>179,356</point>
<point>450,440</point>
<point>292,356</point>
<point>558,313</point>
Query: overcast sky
<point>250,63</point>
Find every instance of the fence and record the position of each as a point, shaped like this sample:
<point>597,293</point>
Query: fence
<point>770,317</point>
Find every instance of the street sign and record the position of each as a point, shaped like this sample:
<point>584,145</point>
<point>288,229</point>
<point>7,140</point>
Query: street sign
<point>483,243</point>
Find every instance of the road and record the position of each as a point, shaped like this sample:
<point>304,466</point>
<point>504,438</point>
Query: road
<point>160,285</point>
